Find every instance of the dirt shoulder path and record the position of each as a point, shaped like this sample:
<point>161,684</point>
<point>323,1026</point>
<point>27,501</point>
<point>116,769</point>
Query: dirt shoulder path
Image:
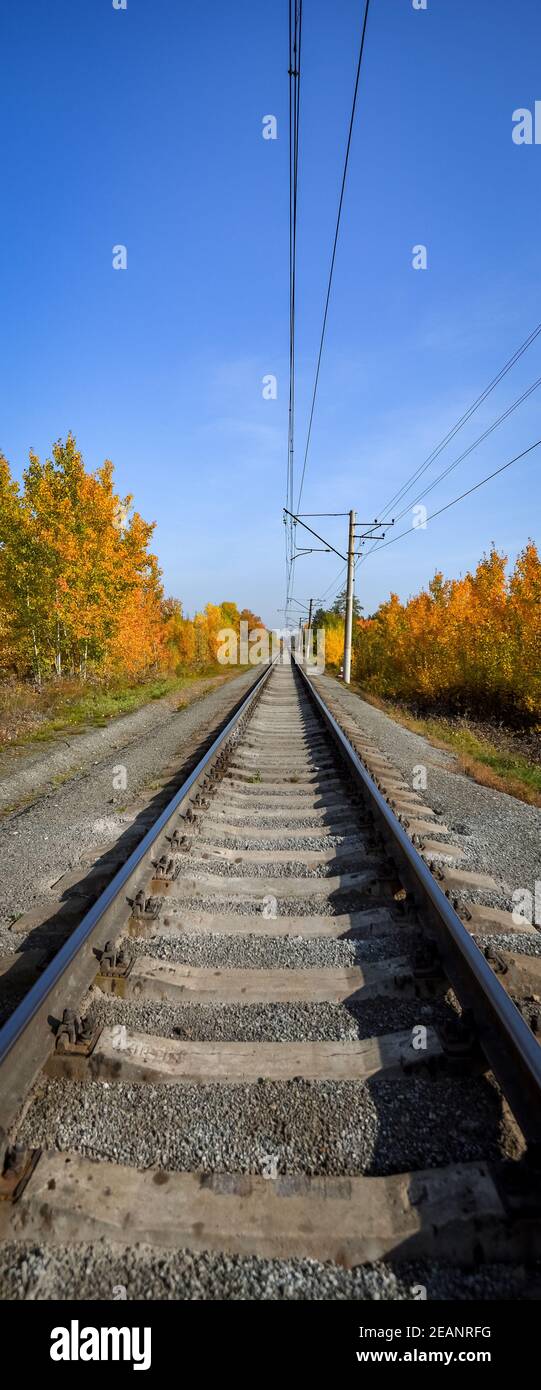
<point>31,768</point>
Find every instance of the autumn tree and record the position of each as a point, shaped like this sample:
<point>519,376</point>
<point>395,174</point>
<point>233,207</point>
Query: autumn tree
<point>471,643</point>
<point>80,588</point>
<point>254,622</point>
<point>78,584</point>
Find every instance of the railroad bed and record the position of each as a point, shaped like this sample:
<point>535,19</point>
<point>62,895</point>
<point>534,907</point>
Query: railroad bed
<point>273,1073</point>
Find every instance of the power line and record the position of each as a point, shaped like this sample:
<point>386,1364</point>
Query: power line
<point>455,429</point>
<point>341,572</point>
<point>293,73</point>
<point>490,430</point>
<point>331,272</point>
<point>333,584</point>
<point>463,420</point>
<point>294,70</point>
<point>460,498</point>
<point>353,526</point>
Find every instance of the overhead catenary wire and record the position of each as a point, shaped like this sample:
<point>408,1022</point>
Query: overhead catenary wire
<point>431,517</point>
<point>396,498</point>
<point>333,584</point>
<point>406,487</point>
<point>409,484</point>
<point>411,529</point>
<point>293,169</point>
<point>295,32</point>
<point>294,9</point>
<point>335,243</point>
<point>342,571</point>
<point>490,430</point>
<point>327,544</point>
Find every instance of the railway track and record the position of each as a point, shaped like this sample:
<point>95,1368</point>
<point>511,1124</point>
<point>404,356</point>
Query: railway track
<point>272,1037</point>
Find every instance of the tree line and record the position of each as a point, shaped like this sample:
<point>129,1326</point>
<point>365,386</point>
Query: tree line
<point>80,589</point>
<point>469,644</point>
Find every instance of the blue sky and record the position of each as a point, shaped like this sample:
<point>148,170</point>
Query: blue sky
<point>143,127</point>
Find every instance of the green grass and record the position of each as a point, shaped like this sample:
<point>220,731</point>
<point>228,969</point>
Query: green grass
<point>479,758</point>
<point>510,767</point>
<point>94,706</point>
<point>98,705</point>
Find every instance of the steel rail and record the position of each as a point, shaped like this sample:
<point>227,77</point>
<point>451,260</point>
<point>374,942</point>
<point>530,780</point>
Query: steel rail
<point>510,1047</point>
<point>27,1037</point>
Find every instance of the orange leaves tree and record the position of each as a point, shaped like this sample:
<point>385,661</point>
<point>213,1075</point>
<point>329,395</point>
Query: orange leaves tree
<point>332,621</point>
<point>524,629</point>
<point>80,589</point>
<point>196,641</point>
<point>78,585</point>
<point>471,643</point>
<point>334,644</point>
<point>179,634</point>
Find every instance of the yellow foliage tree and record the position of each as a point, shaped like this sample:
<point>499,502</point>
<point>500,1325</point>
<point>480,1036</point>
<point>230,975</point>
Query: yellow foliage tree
<point>80,589</point>
<point>473,643</point>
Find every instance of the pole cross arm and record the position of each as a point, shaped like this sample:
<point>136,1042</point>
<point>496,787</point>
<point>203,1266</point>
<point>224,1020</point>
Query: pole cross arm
<point>327,545</point>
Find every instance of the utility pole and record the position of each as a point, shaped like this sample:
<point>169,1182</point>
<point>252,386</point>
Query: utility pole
<point>349,599</point>
<point>370,534</point>
<point>309,633</point>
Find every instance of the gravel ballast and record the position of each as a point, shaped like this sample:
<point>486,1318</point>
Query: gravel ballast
<point>298,1022</point>
<point>322,906</point>
<point>291,868</point>
<point>36,1271</point>
<point>500,835</point>
<point>311,1127</point>
<point>211,951</point>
